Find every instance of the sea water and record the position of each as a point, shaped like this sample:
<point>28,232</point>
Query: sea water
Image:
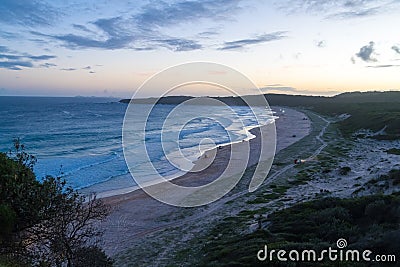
<point>80,138</point>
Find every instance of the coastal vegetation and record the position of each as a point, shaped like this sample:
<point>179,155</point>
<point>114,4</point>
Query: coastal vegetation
<point>349,190</point>
<point>367,223</point>
<point>45,223</point>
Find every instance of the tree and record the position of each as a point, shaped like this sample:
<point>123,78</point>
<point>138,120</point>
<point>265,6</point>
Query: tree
<point>45,222</point>
<point>68,222</point>
<point>19,187</point>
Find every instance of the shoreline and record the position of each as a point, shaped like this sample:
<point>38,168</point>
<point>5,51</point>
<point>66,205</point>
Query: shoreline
<point>251,133</point>
<point>212,162</point>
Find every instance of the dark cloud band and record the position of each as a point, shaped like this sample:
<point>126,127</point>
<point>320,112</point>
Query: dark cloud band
<point>239,44</point>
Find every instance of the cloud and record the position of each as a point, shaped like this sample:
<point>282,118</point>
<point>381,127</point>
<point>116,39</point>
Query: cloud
<point>8,35</point>
<point>274,85</point>
<point>83,28</point>
<point>366,52</point>
<point>120,38</point>
<point>74,41</point>
<point>15,65</point>
<point>338,9</point>
<point>90,69</point>
<point>176,44</point>
<point>143,30</point>
<point>396,49</point>
<point>280,89</point>
<point>4,49</point>
<point>68,69</point>
<point>42,57</point>
<point>126,41</point>
<point>162,14</point>
<point>27,13</point>
<point>321,44</point>
<point>383,66</point>
<point>113,33</point>
<point>239,44</point>
<point>354,14</point>
<point>9,57</point>
<point>48,65</point>
<point>14,60</point>
<point>207,34</point>
<point>34,58</point>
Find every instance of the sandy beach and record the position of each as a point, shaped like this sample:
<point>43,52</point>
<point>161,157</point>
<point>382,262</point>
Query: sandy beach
<point>135,213</point>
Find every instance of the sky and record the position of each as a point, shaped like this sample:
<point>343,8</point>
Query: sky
<point>109,48</point>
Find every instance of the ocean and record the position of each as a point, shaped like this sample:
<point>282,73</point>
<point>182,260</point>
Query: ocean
<point>80,138</point>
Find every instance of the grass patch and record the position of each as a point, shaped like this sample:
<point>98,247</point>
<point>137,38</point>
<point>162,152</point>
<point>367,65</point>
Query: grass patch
<point>265,198</point>
<point>280,189</point>
<point>251,213</point>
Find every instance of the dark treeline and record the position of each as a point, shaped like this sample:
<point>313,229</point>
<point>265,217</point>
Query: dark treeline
<point>285,100</point>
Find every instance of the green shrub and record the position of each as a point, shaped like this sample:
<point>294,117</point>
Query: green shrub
<point>393,151</point>
<point>344,170</point>
<point>7,221</point>
<point>91,256</point>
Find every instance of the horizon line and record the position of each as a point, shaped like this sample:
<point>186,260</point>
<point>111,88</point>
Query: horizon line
<point>288,94</point>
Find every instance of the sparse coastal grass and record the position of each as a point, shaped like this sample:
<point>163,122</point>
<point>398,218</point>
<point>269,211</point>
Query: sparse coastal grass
<point>367,222</point>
